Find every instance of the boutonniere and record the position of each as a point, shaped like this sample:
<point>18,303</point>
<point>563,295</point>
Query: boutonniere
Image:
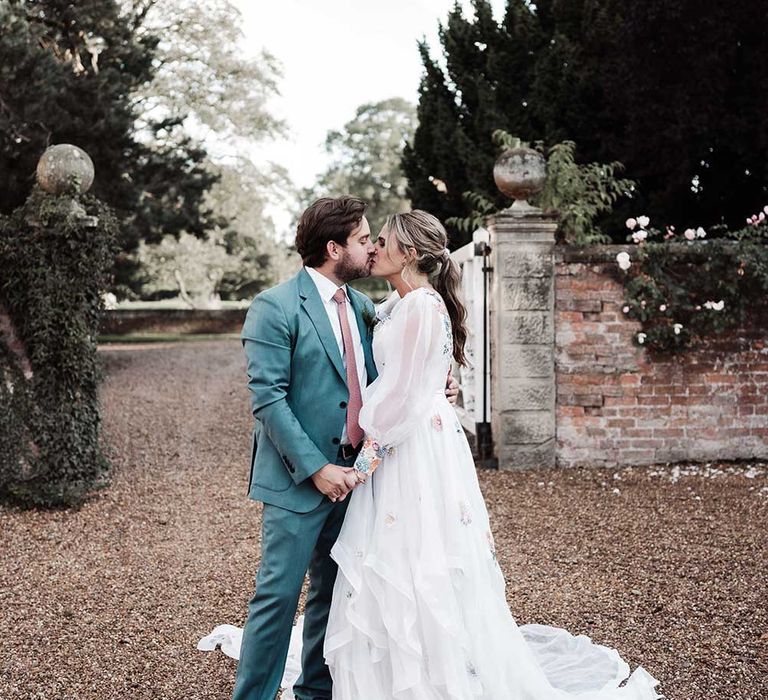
<point>370,319</point>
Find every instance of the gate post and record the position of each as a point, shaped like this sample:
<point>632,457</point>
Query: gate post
<point>522,318</point>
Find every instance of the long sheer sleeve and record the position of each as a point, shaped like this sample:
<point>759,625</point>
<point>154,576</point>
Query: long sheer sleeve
<point>416,359</point>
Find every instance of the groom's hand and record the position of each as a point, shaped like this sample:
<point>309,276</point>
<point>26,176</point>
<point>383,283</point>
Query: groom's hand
<point>332,481</point>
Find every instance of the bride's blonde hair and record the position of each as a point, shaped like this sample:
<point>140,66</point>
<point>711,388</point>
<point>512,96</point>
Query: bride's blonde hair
<point>426,235</point>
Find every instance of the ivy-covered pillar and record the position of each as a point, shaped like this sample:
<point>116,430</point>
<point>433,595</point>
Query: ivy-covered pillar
<point>56,256</point>
<point>522,317</point>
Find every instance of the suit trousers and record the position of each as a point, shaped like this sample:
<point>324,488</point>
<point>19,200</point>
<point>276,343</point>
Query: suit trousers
<point>292,545</point>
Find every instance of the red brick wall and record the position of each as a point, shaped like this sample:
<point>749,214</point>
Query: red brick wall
<point>618,405</point>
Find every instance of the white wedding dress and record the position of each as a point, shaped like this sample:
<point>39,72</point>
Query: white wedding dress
<point>419,610</point>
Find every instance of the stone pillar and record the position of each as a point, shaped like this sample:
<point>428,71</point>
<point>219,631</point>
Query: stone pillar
<point>62,168</point>
<point>523,338</point>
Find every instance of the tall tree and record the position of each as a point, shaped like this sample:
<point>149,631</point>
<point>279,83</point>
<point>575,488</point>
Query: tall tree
<point>432,158</point>
<point>486,85</point>
<point>203,74</point>
<point>68,73</point>
<point>243,196</point>
<point>689,104</point>
<point>683,110</point>
<point>216,90</point>
<point>365,159</point>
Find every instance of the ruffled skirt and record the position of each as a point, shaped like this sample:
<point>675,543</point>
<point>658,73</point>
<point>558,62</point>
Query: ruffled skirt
<point>419,609</point>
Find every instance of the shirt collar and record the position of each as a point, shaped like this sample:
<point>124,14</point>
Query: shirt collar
<point>325,287</point>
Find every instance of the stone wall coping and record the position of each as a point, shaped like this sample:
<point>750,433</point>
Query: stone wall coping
<point>176,313</point>
<point>606,252</point>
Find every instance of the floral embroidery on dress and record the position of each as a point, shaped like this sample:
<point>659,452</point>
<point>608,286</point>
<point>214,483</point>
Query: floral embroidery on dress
<point>448,342</point>
<point>466,515</point>
<point>437,422</point>
<point>384,314</point>
<point>382,318</point>
<point>471,670</point>
<point>491,544</point>
<point>380,322</point>
<point>436,296</point>
<point>389,520</point>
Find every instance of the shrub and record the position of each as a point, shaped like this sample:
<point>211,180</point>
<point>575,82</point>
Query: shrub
<point>685,287</point>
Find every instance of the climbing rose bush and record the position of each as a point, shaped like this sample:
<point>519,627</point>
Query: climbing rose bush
<point>684,287</point>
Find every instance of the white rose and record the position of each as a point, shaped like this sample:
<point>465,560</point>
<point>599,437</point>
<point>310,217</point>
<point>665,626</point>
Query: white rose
<point>718,306</point>
<point>663,307</point>
<point>110,300</point>
<point>631,223</point>
<point>641,338</point>
<point>690,234</point>
<point>700,232</point>
<point>625,309</point>
<point>643,221</point>
<point>623,260</point>
<point>678,327</point>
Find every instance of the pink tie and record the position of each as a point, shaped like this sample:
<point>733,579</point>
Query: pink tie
<point>354,431</point>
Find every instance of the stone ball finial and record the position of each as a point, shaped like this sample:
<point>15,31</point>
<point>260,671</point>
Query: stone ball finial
<point>65,167</point>
<point>520,173</point>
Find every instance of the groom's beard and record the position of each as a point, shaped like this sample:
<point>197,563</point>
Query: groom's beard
<point>347,271</point>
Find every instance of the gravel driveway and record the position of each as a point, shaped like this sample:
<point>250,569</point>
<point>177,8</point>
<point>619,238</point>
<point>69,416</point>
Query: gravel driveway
<point>109,601</point>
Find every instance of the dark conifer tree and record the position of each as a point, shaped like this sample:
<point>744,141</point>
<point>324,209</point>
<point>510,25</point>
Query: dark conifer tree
<point>67,75</point>
<point>675,91</point>
<point>434,155</point>
<point>487,86</point>
<point>690,94</point>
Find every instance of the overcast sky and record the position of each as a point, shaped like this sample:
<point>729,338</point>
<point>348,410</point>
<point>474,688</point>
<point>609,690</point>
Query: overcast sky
<point>336,55</point>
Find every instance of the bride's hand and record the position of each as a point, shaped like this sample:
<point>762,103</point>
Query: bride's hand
<point>352,479</point>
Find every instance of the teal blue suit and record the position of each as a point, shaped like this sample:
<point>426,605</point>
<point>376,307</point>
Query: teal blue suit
<point>299,396</point>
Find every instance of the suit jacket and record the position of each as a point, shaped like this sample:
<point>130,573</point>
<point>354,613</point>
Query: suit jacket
<point>298,388</point>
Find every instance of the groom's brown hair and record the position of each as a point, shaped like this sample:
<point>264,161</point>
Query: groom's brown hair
<point>327,219</point>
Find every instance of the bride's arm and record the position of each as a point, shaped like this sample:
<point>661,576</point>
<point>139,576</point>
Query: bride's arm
<point>418,340</point>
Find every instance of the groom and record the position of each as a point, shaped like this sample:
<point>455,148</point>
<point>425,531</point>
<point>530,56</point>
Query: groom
<point>309,356</point>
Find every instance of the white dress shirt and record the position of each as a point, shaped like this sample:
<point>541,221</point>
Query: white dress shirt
<point>326,289</point>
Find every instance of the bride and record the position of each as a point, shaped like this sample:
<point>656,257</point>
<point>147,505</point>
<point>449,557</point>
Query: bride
<point>419,610</point>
